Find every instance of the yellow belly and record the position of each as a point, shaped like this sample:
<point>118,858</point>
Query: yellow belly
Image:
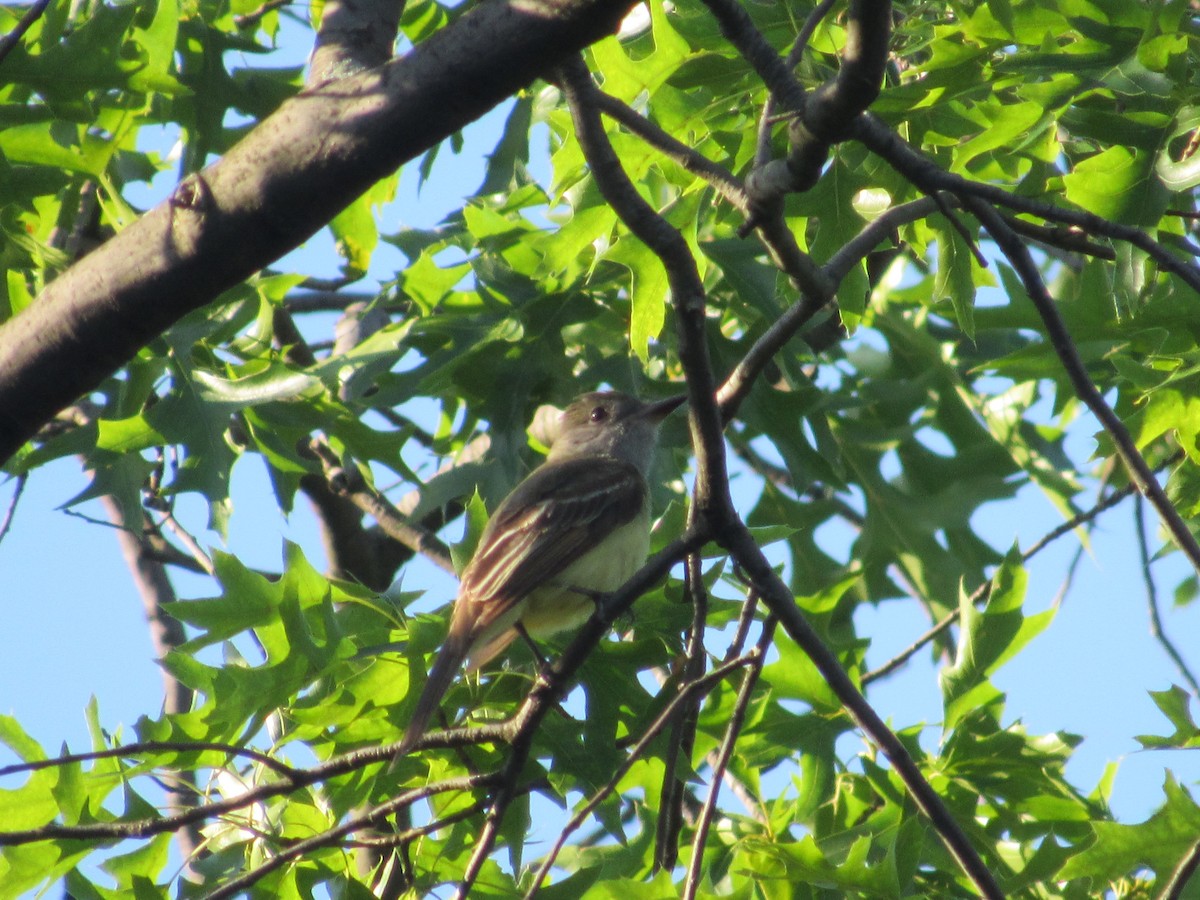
<point>556,606</point>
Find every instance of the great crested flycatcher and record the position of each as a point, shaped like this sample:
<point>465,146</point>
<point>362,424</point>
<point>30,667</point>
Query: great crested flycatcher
<point>578,526</point>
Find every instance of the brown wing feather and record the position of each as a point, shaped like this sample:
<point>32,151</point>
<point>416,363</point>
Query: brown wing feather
<point>583,501</point>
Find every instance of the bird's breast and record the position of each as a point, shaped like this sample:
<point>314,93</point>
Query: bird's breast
<point>565,602</point>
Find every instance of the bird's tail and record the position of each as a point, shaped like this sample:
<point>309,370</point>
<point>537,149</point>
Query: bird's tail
<point>445,667</point>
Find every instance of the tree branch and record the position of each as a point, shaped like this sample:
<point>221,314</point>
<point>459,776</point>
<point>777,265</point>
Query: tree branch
<point>981,592</point>
<point>736,538</point>
<point>1060,339</point>
<point>749,679</point>
<point>354,35</point>
<point>273,190</point>
<point>1156,625</point>
<point>349,483</point>
<point>290,780</point>
<point>333,835</point>
<point>9,42</point>
<point>682,739</point>
<point>931,178</point>
<point>1173,889</point>
<point>166,633</point>
<point>689,693</point>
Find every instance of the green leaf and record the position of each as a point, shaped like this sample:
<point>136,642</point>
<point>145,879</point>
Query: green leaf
<point>1118,184</point>
<point>1175,705</point>
<point>648,291</point>
<point>1158,843</point>
<point>955,279</point>
<point>988,638</point>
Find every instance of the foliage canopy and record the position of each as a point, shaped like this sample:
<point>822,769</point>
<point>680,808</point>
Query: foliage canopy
<point>906,306</point>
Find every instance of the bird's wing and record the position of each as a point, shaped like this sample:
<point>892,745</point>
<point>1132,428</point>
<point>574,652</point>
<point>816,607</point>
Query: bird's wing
<point>552,518</point>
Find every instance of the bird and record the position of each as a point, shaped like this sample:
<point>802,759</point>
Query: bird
<point>576,527</point>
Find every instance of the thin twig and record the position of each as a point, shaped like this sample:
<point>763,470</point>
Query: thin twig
<point>289,782</point>
<point>142,748</point>
<point>1156,626</point>
<point>929,177</point>
<point>11,511</point>
<point>682,740</point>
<point>333,835</point>
<point>193,546</point>
<point>9,42</point>
<point>957,224</point>
<point>732,730</point>
<point>724,182</point>
<point>254,16</point>
<point>410,834</point>
<point>980,593</point>
<point>711,491</point>
<point>688,692</point>
<point>1173,889</point>
<point>348,482</point>
<point>1064,346</point>
<point>737,539</point>
<point>762,150</point>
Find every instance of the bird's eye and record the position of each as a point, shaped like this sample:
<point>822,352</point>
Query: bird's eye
<point>599,414</point>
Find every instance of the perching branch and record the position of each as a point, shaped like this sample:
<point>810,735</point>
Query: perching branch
<point>711,495</point>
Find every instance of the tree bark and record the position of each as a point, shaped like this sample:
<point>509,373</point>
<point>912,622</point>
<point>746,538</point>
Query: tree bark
<point>285,180</point>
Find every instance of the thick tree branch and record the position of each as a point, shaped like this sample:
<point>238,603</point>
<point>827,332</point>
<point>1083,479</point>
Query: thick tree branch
<point>289,177</point>
<point>355,35</point>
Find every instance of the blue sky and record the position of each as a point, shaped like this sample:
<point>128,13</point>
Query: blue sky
<point>72,627</point>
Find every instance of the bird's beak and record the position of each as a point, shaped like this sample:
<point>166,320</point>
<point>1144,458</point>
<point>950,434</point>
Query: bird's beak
<point>660,409</point>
